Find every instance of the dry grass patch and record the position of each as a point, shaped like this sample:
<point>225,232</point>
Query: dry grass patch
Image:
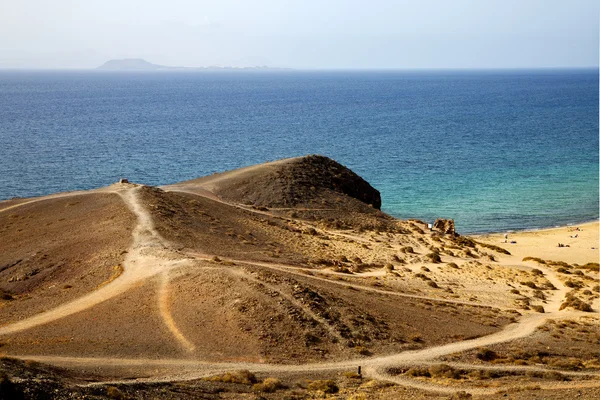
<point>269,385</point>
<point>242,376</point>
<point>325,386</point>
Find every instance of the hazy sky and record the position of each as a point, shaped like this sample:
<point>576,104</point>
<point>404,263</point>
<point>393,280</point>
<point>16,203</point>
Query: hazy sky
<point>302,33</point>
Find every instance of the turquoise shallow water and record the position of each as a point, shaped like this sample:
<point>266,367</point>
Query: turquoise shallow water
<point>495,150</point>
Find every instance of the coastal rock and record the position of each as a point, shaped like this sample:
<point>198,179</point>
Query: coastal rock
<point>445,226</point>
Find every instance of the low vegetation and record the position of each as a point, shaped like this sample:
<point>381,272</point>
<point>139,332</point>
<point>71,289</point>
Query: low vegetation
<point>242,376</point>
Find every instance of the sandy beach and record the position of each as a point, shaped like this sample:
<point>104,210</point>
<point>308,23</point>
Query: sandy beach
<point>581,243</point>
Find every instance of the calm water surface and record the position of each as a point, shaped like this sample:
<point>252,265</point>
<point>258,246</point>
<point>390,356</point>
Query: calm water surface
<point>495,150</point>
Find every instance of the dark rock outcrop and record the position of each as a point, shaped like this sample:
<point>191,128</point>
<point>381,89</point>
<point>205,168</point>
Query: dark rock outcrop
<point>445,226</point>
<point>312,181</point>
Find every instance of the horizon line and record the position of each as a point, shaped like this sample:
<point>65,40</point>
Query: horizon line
<point>302,69</point>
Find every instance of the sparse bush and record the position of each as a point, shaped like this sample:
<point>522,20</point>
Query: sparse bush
<point>576,303</point>
<point>269,385</point>
<point>242,376</point>
<point>113,392</point>
<point>592,266</point>
<point>452,265</point>
<point>574,284</point>
<point>539,309</point>
<point>515,291</point>
<point>433,284</point>
<point>325,386</point>
<point>537,272</point>
<point>434,257</point>
<point>407,250</point>
<point>536,259</point>
<point>485,354</point>
<point>422,276</point>
<point>529,284</point>
<point>352,375</point>
<point>389,267</point>
<point>495,248</point>
<point>443,371</point>
<point>462,395</point>
<point>539,295</point>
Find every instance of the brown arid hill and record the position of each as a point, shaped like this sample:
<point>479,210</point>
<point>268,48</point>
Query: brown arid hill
<point>289,272</point>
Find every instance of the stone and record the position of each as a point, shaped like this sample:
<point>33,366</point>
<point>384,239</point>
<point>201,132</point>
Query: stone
<point>445,226</point>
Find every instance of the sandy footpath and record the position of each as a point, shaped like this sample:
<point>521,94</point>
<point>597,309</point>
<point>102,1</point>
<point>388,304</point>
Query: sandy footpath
<point>582,241</point>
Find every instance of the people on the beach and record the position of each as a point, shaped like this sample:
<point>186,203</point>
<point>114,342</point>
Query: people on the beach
<point>506,238</point>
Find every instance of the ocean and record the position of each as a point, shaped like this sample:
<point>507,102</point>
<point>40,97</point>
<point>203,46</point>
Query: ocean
<point>494,150</point>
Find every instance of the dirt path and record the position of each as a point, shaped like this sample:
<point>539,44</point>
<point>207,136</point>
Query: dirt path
<point>147,256</point>
<point>164,307</point>
<point>332,332</point>
<point>150,256</point>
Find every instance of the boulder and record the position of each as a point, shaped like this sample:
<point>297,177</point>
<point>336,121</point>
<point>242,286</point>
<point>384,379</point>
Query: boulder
<point>445,226</point>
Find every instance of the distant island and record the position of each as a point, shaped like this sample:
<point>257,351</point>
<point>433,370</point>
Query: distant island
<point>138,64</point>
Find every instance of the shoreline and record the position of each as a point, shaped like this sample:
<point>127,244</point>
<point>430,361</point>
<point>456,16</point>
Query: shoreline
<point>528,230</point>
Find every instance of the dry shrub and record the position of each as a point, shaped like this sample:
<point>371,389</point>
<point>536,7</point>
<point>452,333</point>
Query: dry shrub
<point>485,354</point>
<point>407,250</point>
<point>462,395</point>
<point>434,257</point>
<point>452,265</point>
<point>113,392</point>
<point>325,386</point>
<point>539,309</point>
<point>574,284</point>
<point>529,284</point>
<point>352,375</point>
<point>242,376</point>
<point>433,284</point>
<point>495,248</point>
<point>537,272</point>
<point>269,385</point>
<point>443,371</point>
<point>536,259</point>
<point>576,303</point>
<point>592,266</point>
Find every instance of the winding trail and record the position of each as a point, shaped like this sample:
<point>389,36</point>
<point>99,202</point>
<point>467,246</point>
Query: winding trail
<point>150,256</point>
<point>164,307</point>
<point>147,257</point>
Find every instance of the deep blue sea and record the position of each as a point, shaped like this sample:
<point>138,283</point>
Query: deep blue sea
<point>495,150</point>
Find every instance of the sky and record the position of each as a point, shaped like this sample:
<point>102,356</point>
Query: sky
<point>302,34</point>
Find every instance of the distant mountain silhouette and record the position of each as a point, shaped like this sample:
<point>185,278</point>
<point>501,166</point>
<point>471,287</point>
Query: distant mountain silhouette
<point>130,64</point>
<point>138,64</point>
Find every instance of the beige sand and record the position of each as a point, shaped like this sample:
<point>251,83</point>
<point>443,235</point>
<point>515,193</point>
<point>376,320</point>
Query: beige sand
<point>544,243</point>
